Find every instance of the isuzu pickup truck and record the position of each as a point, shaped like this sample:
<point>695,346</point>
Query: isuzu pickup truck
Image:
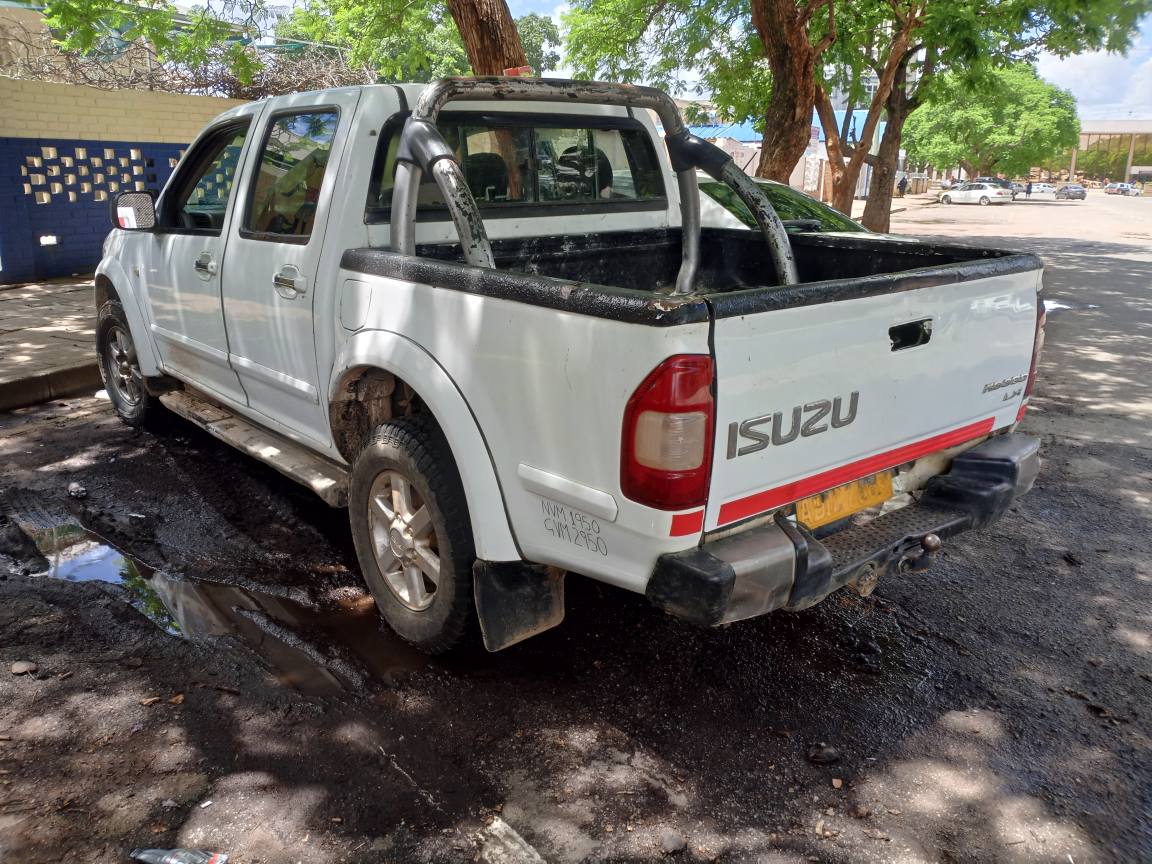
<point>483,315</point>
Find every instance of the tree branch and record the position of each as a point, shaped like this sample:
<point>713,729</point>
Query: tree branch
<point>829,37</point>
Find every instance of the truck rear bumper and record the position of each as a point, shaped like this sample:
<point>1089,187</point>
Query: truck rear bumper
<point>782,566</point>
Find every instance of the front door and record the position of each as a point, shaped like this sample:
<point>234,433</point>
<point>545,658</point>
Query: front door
<point>273,255</point>
<point>186,262</point>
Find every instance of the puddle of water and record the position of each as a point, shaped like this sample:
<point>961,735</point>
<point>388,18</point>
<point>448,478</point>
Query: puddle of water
<point>316,652</point>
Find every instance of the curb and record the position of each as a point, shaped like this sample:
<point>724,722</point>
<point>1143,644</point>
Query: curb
<point>63,381</point>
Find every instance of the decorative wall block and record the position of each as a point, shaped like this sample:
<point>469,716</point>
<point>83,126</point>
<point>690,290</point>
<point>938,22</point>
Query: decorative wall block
<point>63,188</point>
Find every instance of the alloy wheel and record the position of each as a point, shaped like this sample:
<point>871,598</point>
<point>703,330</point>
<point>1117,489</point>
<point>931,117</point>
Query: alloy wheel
<point>404,540</point>
<point>120,363</point>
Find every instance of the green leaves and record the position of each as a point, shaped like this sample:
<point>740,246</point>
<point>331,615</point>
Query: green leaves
<point>1009,122</point>
<point>408,41</point>
<point>676,44</point>
<point>541,39</point>
<point>402,41</point>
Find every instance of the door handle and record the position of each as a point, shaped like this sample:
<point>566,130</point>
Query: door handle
<point>205,264</point>
<point>290,282</point>
<point>910,335</point>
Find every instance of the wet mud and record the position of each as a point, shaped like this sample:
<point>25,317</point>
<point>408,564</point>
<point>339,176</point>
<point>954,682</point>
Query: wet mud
<point>313,650</point>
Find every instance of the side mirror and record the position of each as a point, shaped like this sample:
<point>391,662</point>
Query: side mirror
<point>134,211</point>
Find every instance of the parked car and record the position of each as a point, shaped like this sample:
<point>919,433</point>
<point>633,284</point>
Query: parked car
<point>977,193</point>
<point>1019,188</point>
<point>1121,189</point>
<point>1001,182</point>
<point>799,212</point>
<point>505,380</point>
<point>1043,188</point>
<point>1071,192</point>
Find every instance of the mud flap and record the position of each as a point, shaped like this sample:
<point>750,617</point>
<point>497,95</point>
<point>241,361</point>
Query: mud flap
<point>515,601</point>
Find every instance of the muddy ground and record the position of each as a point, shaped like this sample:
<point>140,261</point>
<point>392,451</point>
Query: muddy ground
<point>210,672</point>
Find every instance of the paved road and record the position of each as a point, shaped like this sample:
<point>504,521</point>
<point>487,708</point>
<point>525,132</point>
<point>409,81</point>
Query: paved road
<point>995,709</point>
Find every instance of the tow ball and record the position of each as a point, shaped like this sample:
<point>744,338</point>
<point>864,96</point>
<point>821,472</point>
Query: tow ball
<point>918,562</point>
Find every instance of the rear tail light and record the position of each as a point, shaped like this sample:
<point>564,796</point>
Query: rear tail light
<point>666,449</point>
<point>1037,345</point>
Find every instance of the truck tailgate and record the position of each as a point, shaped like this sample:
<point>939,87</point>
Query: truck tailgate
<point>814,391</point>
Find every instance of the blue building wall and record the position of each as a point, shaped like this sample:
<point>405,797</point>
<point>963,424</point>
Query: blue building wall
<point>65,187</point>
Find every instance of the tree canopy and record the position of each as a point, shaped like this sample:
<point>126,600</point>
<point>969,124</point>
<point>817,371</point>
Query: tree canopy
<point>721,47</point>
<point>757,60</point>
<point>1015,120</point>
<point>414,40</point>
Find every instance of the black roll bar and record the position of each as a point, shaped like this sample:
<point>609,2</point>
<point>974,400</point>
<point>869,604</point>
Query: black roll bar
<point>422,148</point>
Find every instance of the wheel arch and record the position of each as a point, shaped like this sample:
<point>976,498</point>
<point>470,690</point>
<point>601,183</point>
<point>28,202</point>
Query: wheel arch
<point>378,375</point>
<point>112,283</point>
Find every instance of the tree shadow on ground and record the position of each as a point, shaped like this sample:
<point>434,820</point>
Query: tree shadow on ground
<point>991,710</point>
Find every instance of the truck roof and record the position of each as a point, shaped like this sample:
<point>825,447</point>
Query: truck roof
<point>410,92</point>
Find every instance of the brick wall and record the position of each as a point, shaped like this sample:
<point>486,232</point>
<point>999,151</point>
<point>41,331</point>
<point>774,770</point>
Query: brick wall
<point>66,151</point>
<point>38,109</point>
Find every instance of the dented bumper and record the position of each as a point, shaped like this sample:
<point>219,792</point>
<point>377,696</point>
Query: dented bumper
<point>780,565</point>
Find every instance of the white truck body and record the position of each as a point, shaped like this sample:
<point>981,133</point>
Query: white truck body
<point>529,374</point>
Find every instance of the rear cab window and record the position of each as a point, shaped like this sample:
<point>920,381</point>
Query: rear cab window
<point>554,165</point>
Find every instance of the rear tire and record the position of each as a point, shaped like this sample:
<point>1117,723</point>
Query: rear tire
<point>120,368</point>
<point>412,533</point>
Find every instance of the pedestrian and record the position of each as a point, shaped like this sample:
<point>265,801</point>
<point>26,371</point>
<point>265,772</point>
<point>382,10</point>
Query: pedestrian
<point>902,186</point>
<point>1028,191</point>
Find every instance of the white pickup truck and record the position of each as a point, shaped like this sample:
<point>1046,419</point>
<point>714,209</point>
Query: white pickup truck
<point>484,316</point>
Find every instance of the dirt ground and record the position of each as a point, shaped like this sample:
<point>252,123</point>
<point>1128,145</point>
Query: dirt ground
<point>209,672</point>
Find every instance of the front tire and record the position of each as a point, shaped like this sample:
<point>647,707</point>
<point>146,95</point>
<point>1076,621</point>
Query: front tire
<point>984,201</point>
<point>412,533</point>
<point>120,368</point>
<point>947,199</point>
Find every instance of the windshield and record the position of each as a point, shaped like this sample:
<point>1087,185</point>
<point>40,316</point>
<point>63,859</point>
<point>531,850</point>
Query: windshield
<point>791,206</point>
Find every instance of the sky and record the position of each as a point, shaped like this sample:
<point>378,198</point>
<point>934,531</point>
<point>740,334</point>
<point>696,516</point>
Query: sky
<point>1107,86</point>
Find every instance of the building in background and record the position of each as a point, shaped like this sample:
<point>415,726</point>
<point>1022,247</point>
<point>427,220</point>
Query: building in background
<point>1114,150</point>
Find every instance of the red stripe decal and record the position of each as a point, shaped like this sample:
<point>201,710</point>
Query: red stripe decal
<point>684,524</point>
<point>742,508</point>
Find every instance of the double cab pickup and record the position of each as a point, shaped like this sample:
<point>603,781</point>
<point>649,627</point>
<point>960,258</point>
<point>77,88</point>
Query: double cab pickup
<point>492,318</point>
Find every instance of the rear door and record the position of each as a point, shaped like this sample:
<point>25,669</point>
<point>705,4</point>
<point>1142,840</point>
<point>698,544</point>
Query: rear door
<point>273,255</point>
<point>813,397</point>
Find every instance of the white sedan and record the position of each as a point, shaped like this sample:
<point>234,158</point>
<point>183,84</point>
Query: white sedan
<point>977,193</point>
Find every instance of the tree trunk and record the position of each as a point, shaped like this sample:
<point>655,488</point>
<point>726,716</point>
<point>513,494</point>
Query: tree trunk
<point>489,34</point>
<point>783,30</point>
<point>846,163</point>
<point>878,210</point>
<point>838,162</point>
<point>786,135</point>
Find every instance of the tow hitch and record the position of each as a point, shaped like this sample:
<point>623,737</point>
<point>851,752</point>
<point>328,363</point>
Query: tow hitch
<point>918,562</point>
<point>865,580</point>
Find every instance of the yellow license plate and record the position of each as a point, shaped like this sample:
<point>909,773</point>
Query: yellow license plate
<point>844,500</point>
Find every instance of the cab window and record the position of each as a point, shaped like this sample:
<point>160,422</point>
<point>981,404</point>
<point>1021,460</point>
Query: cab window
<point>511,165</point>
<point>287,185</point>
<point>204,187</point>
